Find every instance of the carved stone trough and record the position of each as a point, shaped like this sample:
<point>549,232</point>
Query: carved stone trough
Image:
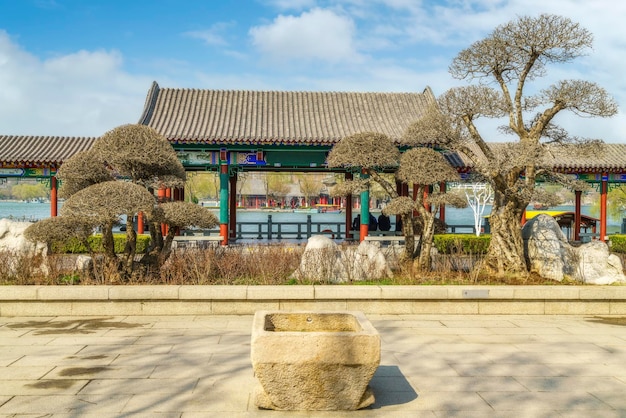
<point>314,360</point>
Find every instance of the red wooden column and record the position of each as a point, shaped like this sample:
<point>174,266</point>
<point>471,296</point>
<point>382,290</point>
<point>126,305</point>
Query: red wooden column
<point>232,206</point>
<point>365,210</point>
<point>140,229</point>
<point>54,203</point>
<point>168,194</point>
<point>399,187</point>
<point>604,187</point>
<point>577,213</point>
<point>161,197</point>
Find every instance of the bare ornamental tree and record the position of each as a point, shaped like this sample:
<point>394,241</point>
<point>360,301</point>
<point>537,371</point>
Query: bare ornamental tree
<point>116,177</point>
<point>372,154</point>
<point>504,63</point>
<point>101,205</point>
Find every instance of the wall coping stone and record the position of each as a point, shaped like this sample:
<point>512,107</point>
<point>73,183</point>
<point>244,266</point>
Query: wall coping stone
<point>312,292</point>
<point>240,299</point>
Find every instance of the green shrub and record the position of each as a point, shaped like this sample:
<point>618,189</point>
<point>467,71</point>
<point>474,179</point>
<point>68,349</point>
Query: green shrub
<point>73,246</point>
<point>461,243</point>
<point>618,243</point>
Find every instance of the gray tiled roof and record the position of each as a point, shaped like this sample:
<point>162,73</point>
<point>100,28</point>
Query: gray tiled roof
<point>565,158</point>
<point>225,117</point>
<point>611,157</point>
<point>278,117</point>
<point>35,150</point>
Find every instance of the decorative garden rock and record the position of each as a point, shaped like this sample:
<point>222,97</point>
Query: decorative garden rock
<point>547,250</point>
<point>12,237</point>
<point>597,266</point>
<point>314,360</point>
<point>13,241</point>
<point>369,262</point>
<point>324,260</point>
<point>321,260</point>
<point>551,256</point>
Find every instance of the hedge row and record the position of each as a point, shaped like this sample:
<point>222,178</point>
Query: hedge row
<point>445,244</point>
<point>471,244</point>
<point>73,246</point>
<point>618,243</point>
<point>462,243</point>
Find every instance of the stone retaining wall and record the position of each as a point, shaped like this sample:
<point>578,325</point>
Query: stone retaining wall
<point>216,300</point>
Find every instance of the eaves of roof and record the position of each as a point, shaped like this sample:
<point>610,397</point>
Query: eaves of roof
<point>40,150</point>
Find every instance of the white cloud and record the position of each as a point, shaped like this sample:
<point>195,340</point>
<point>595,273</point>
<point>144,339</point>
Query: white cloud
<point>213,35</point>
<point>81,94</point>
<point>351,45</point>
<point>455,25</point>
<point>317,35</point>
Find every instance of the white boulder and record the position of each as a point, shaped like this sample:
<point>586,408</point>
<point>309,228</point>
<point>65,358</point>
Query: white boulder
<point>12,241</point>
<point>324,260</point>
<point>368,262</point>
<point>547,250</point>
<point>550,255</point>
<point>321,261</point>
<point>597,266</point>
<point>12,237</point>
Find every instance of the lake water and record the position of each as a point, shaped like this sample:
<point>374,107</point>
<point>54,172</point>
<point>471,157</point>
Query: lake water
<point>29,211</point>
<point>34,211</point>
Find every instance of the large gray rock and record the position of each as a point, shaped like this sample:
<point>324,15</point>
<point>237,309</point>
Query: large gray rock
<point>547,250</point>
<point>324,260</point>
<point>321,260</point>
<point>549,254</point>
<point>12,237</point>
<point>12,240</point>
<point>366,262</point>
<point>597,266</point>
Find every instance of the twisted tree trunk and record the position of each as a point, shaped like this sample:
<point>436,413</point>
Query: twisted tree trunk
<point>108,243</point>
<point>408,230</point>
<point>426,241</point>
<point>131,245</point>
<point>506,248</point>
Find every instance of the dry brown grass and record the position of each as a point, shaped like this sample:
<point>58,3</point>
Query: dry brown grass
<point>236,265</point>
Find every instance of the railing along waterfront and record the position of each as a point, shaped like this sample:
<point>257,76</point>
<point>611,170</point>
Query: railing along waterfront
<point>285,230</point>
<point>277,230</point>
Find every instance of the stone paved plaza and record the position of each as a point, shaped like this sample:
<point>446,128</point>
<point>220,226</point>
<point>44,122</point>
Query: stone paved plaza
<point>199,366</point>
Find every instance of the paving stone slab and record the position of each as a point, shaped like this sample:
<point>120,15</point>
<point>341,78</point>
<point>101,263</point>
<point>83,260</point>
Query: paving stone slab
<point>431,366</point>
<point>532,402</point>
<point>74,405</point>
<point>569,384</point>
<point>462,384</point>
<point>139,386</point>
<point>47,387</point>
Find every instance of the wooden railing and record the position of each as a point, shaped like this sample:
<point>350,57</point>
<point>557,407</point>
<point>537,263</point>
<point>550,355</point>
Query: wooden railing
<point>285,230</point>
<point>272,230</point>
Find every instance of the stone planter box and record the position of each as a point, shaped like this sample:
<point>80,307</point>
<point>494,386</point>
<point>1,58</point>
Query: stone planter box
<point>314,360</point>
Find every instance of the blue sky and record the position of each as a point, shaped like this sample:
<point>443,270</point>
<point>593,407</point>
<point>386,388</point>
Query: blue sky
<point>82,67</point>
